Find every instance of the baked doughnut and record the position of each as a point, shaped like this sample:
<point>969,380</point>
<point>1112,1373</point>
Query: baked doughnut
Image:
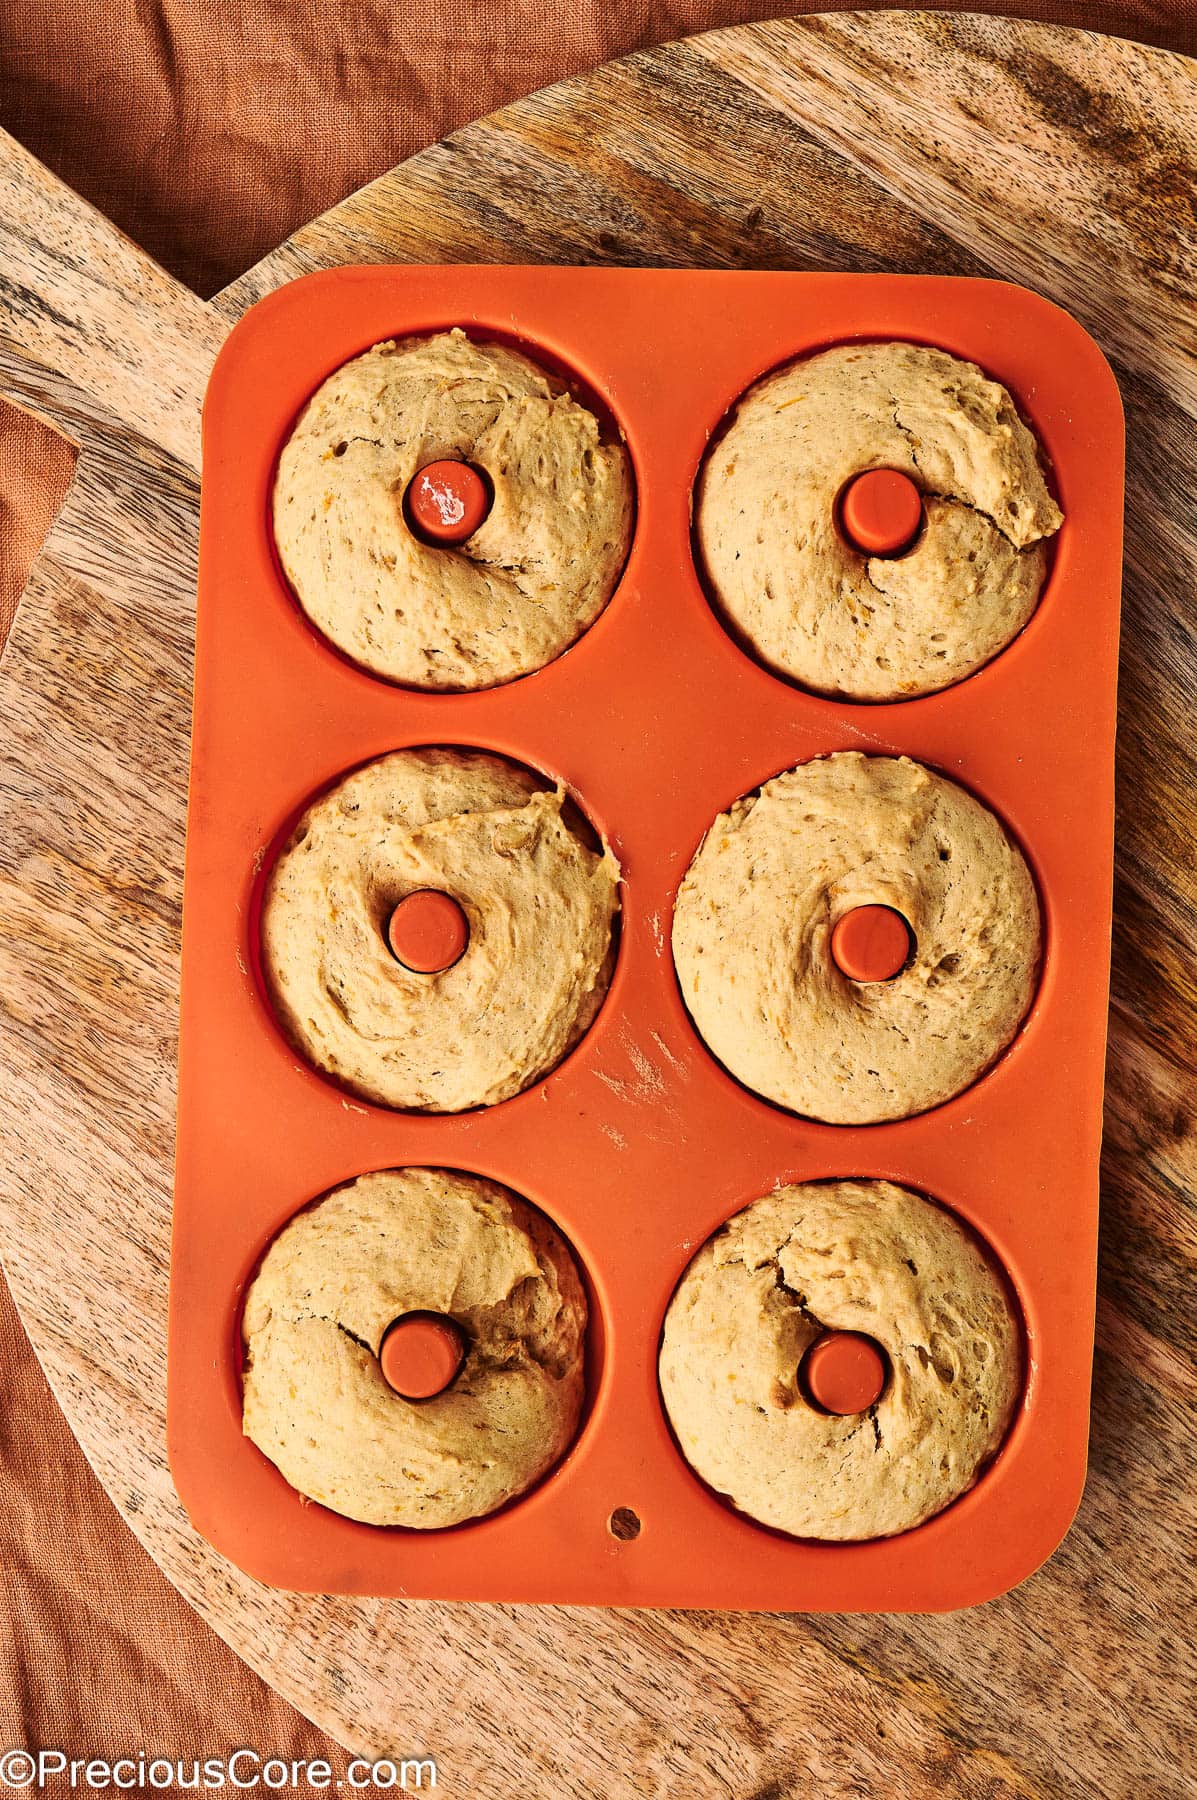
<point>810,605</point>
<point>414,1240</point>
<point>774,875</point>
<point>860,1256</point>
<point>540,903</point>
<point>537,571</point>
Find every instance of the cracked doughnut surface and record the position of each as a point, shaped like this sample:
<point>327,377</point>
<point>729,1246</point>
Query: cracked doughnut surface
<point>862,1256</point>
<point>334,1279</point>
<point>757,908</point>
<point>810,605</point>
<point>538,570</point>
<point>541,903</point>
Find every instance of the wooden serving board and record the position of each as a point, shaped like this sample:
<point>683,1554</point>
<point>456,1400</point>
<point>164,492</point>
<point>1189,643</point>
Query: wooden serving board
<point>859,141</point>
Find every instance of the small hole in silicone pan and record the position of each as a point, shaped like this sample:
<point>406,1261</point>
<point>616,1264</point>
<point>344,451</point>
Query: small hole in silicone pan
<point>719,431</point>
<point>594,1357</point>
<point>1018,1313</point>
<point>1025,1027</point>
<point>624,1525</point>
<point>576,815</point>
<point>582,390</point>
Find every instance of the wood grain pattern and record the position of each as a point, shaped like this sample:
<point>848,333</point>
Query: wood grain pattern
<point>912,142</point>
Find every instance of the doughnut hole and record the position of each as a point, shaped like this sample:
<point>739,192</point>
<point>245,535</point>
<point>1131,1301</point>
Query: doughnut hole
<point>421,1354</point>
<point>447,501</point>
<point>872,943</point>
<point>844,1372</point>
<point>428,932</point>
<point>880,512</point>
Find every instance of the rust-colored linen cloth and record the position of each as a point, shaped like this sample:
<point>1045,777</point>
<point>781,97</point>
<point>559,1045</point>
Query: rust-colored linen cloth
<point>99,1656</point>
<point>209,129</point>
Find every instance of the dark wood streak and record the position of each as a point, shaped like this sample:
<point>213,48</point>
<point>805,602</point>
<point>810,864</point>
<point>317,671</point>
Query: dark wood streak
<point>942,143</point>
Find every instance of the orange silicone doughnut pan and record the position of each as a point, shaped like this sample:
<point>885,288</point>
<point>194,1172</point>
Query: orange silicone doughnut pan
<point>639,1145</point>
